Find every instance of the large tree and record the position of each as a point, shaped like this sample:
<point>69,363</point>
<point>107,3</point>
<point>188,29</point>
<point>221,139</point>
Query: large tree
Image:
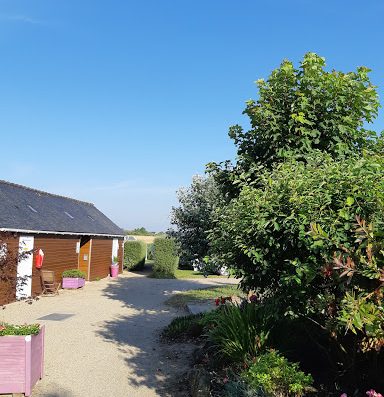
<point>298,111</point>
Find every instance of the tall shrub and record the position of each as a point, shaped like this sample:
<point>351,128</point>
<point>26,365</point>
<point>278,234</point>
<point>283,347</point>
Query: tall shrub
<point>134,255</point>
<point>309,238</point>
<point>166,259</point>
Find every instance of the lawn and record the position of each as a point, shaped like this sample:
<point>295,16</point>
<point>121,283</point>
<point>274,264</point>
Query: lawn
<point>185,273</point>
<point>181,299</point>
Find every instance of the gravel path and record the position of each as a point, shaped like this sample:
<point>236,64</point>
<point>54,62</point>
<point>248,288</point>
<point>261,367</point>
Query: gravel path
<point>109,346</point>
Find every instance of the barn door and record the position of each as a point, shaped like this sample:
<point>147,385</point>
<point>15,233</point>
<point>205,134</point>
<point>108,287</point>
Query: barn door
<point>85,255</point>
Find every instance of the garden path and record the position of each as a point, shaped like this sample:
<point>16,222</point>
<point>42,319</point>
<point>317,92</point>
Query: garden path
<point>110,345</point>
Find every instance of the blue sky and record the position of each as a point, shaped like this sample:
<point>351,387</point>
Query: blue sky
<point>121,102</point>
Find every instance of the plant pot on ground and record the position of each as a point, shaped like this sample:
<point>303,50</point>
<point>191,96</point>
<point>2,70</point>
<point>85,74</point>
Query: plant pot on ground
<point>21,357</point>
<point>115,267</point>
<point>73,279</point>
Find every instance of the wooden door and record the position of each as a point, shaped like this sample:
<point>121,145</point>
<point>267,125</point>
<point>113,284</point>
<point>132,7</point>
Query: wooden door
<point>85,256</point>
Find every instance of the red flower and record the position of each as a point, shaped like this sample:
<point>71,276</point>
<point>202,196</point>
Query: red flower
<point>327,271</point>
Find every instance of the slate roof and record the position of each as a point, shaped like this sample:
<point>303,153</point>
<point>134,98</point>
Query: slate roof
<point>23,208</point>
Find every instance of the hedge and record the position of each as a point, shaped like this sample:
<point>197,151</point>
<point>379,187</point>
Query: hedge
<point>165,258</point>
<point>134,254</point>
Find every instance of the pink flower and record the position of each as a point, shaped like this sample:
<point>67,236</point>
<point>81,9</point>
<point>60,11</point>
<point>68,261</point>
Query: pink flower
<point>373,393</point>
<point>344,395</point>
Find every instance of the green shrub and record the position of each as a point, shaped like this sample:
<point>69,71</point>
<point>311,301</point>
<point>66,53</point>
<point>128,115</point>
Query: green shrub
<point>166,260</point>
<point>73,273</point>
<point>309,237</point>
<point>209,319</point>
<point>134,254</point>
<point>26,329</point>
<point>274,375</point>
<point>183,326</point>
<point>238,332</point>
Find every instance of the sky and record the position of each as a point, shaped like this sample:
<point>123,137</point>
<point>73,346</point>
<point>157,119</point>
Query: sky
<point>121,102</point>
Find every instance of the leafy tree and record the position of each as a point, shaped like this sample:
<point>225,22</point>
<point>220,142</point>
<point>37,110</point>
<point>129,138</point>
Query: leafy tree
<point>140,231</point>
<point>298,111</point>
<point>303,222</point>
<point>193,218</point>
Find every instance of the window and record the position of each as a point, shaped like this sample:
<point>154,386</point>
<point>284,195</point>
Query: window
<point>31,208</point>
<point>68,214</point>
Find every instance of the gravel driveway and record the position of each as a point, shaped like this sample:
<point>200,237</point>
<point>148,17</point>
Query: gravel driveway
<point>109,345</point>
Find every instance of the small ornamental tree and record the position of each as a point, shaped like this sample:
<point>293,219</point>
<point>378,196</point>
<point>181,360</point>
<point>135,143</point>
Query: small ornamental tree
<point>166,259</point>
<point>10,281</point>
<point>134,254</point>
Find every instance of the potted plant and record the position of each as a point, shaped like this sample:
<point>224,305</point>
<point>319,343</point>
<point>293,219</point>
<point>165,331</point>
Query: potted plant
<point>22,357</point>
<point>115,267</point>
<point>73,278</point>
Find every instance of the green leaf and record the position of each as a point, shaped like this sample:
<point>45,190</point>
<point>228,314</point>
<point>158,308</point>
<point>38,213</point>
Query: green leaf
<point>350,200</point>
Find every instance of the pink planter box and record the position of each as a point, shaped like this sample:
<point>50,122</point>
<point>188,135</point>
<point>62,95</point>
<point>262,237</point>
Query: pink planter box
<point>73,282</point>
<point>114,271</point>
<point>21,362</point>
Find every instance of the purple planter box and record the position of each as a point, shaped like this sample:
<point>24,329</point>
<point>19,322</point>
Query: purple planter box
<point>73,282</point>
<point>21,362</point>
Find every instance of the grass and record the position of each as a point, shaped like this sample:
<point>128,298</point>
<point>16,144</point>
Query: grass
<point>181,299</point>
<point>185,273</point>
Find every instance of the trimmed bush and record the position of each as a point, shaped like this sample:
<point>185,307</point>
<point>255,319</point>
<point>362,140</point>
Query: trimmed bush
<point>134,254</point>
<point>166,259</point>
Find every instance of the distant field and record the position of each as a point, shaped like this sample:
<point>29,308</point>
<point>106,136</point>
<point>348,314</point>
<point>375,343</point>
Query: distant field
<point>146,239</point>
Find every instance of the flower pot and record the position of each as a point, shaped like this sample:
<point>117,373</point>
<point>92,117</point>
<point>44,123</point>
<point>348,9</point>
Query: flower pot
<point>114,271</point>
<point>73,282</point>
<point>21,362</point>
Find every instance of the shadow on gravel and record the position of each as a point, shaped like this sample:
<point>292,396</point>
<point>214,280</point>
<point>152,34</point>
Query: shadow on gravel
<point>54,390</point>
<point>153,364</point>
